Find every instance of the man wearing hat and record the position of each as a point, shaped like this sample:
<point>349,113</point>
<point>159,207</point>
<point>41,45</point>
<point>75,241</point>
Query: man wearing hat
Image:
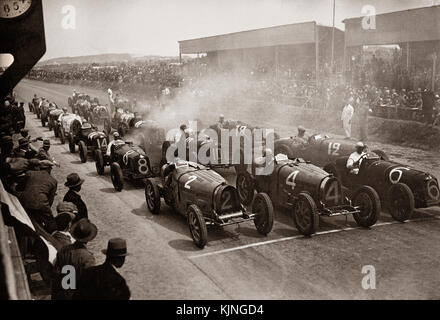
<point>38,196</point>
<point>74,183</point>
<point>104,282</point>
<point>43,152</point>
<point>76,255</point>
<point>63,221</point>
<point>355,159</point>
<point>301,138</point>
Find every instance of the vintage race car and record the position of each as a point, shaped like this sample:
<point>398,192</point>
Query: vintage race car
<point>54,115</point>
<point>308,192</point>
<point>83,107</point>
<point>126,161</point>
<point>69,125</point>
<point>89,141</point>
<point>205,198</point>
<point>401,188</point>
<point>242,133</point>
<point>45,108</point>
<point>98,114</point>
<point>321,150</point>
<point>122,121</point>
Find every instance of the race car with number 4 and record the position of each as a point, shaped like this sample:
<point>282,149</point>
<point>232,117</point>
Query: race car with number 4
<point>321,150</point>
<point>401,188</point>
<point>89,141</point>
<point>307,192</point>
<point>126,161</point>
<point>205,199</point>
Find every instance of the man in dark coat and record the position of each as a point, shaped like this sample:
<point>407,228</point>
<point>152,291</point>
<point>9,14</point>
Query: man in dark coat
<point>38,196</point>
<point>74,183</point>
<point>76,255</point>
<point>104,282</point>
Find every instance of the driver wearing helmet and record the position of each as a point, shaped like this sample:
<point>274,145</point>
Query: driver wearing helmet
<point>116,142</point>
<point>301,138</point>
<point>355,159</point>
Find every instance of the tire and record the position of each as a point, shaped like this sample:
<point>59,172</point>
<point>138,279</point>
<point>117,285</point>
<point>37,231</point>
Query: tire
<point>263,208</point>
<point>197,226</point>
<point>49,126</point>
<point>72,146</point>
<point>117,177</point>
<point>56,131</point>
<point>43,123</point>
<point>62,136</point>
<point>245,187</point>
<point>152,197</point>
<point>369,202</point>
<point>304,214</point>
<point>382,155</point>
<point>99,162</point>
<point>400,202</point>
<point>83,151</point>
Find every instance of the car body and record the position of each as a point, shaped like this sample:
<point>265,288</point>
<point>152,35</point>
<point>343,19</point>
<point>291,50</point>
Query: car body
<point>308,192</point>
<point>401,187</point>
<point>82,106</point>
<point>126,161</point>
<point>89,141</point>
<point>69,125</point>
<point>204,197</point>
<point>321,150</point>
<point>98,113</point>
<point>54,115</point>
<point>122,121</point>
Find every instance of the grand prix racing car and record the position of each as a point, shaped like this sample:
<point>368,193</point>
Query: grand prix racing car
<point>401,188</point>
<point>204,197</point>
<point>308,192</point>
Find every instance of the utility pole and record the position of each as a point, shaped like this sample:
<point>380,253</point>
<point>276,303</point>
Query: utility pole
<point>333,38</point>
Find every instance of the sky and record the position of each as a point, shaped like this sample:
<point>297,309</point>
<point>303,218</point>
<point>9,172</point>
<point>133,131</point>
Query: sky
<point>154,27</point>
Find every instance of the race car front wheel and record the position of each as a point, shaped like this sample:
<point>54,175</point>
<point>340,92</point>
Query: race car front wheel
<point>367,201</point>
<point>71,144</point>
<point>245,188</point>
<point>197,226</point>
<point>99,162</point>
<point>83,151</point>
<point>117,177</point>
<point>400,202</point>
<point>152,197</point>
<point>304,214</point>
<point>62,135</point>
<point>264,213</point>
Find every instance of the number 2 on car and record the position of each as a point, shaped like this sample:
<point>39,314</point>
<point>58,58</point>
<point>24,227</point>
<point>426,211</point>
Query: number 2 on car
<point>190,180</point>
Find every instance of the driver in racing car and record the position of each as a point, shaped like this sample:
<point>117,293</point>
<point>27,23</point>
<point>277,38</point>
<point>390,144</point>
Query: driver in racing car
<point>355,159</point>
<point>117,140</point>
<point>301,138</point>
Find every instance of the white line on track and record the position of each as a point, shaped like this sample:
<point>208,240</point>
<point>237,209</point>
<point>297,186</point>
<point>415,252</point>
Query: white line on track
<point>258,244</point>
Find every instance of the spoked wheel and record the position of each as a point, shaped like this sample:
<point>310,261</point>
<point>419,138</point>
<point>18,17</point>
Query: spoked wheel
<point>304,214</point>
<point>197,226</point>
<point>99,162</point>
<point>367,201</point>
<point>83,151</point>
<point>62,135</point>
<point>263,209</point>
<point>152,197</point>
<point>245,188</point>
<point>400,202</point>
<point>117,177</point>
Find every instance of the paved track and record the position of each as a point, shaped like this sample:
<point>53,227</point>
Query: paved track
<point>240,264</point>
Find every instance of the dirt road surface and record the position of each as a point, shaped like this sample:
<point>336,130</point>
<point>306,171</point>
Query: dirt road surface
<point>238,263</point>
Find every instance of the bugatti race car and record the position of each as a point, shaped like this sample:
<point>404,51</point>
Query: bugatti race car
<point>82,106</point>
<point>307,192</point>
<point>204,197</point>
<point>321,150</point>
<point>98,114</point>
<point>401,188</point>
<point>126,160</point>
<point>45,108</point>
<point>54,115</point>
<point>122,121</point>
<point>151,139</point>
<point>69,125</point>
<point>89,141</point>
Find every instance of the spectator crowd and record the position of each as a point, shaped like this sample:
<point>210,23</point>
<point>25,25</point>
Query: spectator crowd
<point>26,174</point>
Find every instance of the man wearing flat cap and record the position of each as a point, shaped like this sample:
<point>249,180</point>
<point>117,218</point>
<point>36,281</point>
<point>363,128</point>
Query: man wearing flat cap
<point>104,282</point>
<point>76,255</point>
<point>74,183</point>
